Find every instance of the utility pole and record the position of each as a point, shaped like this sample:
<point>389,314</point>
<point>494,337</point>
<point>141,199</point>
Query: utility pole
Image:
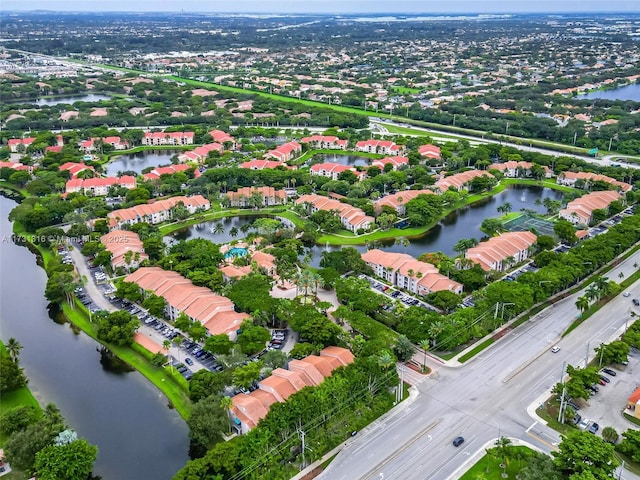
<point>586,355</point>
<point>601,354</point>
<point>563,404</point>
<point>575,137</point>
<point>302,438</point>
<point>610,140</point>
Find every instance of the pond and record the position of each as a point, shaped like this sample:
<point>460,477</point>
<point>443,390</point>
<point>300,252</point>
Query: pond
<point>218,231</point>
<point>91,97</point>
<point>118,410</point>
<point>463,223</point>
<point>626,92</point>
<point>136,162</point>
<point>348,160</point>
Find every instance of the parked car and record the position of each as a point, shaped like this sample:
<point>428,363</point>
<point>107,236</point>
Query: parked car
<point>584,423</point>
<point>594,428</point>
<point>593,388</point>
<point>604,379</point>
<point>608,371</point>
<point>576,419</point>
<point>188,361</point>
<point>636,302</point>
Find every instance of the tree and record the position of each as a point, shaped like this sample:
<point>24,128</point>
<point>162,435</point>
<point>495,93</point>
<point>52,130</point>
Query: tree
<point>154,304</point>
<point>610,435</point>
<point>464,244</point>
<point>491,225</point>
<point>581,452</point>
<point>565,231</point>
<point>630,444</point>
<point>13,349</point>
<point>425,345</point>
<point>197,331</point>
<point>582,304</point>
<point>301,350</point>
<point>226,403</point>
<point>252,338</point>
<point>540,467</point>
<point>386,360</point>
<point>17,418</point>
<point>545,242</point>
<point>218,344</point>
<point>207,422</point>
<point>205,383</point>
<point>247,374</point>
<point>404,349</point>
<point>117,327</point>
<point>274,359</point>
<point>614,352</point>
<point>505,208</point>
<point>73,461</point>
<point>11,374</point>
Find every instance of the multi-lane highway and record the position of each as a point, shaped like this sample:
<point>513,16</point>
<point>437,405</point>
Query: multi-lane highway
<point>486,398</point>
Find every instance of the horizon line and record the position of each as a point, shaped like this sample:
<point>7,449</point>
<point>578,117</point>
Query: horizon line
<point>412,13</point>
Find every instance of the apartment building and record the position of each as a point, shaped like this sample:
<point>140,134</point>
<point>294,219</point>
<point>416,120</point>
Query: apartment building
<point>395,162</point>
<point>406,272</point>
<point>285,152</point>
<point>430,151</point>
<point>513,169</point>
<point>326,142</point>
<point>266,196</point>
<point>352,218</point>
<point>157,172</point>
<point>580,211</point>
<point>216,313</point>
<point>460,180</point>
<point>570,179</point>
<point>383,147</point>
<point>119,243</point>
<point>164,138</point>
<point>155,212</point>
<point>333,170</point>
<point>398,201</point>
<point>498,253</point>
<point>99,186</point>
<point>20,144</point>
<point>248,409</point>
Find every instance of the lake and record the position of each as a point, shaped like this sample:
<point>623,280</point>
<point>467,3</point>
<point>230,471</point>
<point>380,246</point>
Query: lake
<point>349,160</point>
<point>121,412</point>
<point>463,223</point>
<point>627,92</point>
<point>136,162</point>
<point>91,97</point>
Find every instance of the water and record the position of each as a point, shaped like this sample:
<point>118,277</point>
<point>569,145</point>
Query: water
<point>121,412</point>
<point>628,92</point>
<point>463,223</point>
<point>208,229</point>
<point>349,160</point>
<point>92,97</point>
<point>136,162</point>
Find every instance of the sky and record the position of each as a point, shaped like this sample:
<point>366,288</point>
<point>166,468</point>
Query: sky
<point>331,6</point>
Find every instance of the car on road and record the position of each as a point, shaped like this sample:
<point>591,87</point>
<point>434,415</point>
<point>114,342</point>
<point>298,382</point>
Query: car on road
<point>594,428</point>
<point>188,361</point>
<point>608,371</point>
<point>458,441</point>
<point>555,349</point>
<point>636,302</point>
<point>626,294</point>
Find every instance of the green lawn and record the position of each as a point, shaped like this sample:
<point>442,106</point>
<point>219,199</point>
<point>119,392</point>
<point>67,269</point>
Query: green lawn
<point>9,400</point>
<point>488,467</point>
<point>405,90</point>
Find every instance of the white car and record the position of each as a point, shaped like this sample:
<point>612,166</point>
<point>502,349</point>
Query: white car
<point>555,349</point>
<point>626,294</point>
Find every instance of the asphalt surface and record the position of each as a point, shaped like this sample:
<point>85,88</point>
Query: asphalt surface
<point>484,399</point>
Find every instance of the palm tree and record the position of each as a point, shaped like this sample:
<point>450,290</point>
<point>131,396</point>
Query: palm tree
<point>233,232</point>
<point>226,403</point>
<point>402,241</point>
<point>503,444</point>
<point>166,345</point>
<point>13,348</point>
<point>582,304</point>
<point>592,292</point>
<point>386,360</point>
<point>244,228</point>
<point>425,345</point>
<point>603,286</point>
<point>218,228</point>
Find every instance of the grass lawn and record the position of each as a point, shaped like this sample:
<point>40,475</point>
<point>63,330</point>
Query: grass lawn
<point>176,391</point>
<point>538,183</point>
<point>405,90</point>
<point>488,467</point>
<point>473,352</point>
<point>9,400</point>
<point>394,129</point>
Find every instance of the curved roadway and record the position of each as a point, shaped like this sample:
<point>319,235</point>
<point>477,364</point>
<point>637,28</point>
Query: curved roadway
<point>486,398</point>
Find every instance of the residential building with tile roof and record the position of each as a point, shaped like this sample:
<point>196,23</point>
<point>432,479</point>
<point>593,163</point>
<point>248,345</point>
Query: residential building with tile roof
<point>262,164</point>
<point>75,168</point>
<point>395,162</point>
<point>333,170</point>
<point>570,179</point>
<point>580,211</point>
<point>326,142</point>
<point>157,172</point>
<point>406,272</point>
<point>352,218</point>
<point>168,138</point>
<point>267,196</point>
<point>513,169</point>
<point>495,252</point>
<point>398,201</point>
<point>216,313</point>
<point>156,212</point>
<point>383,147</point>
<point>119,242</point>
<point>285,152</point>
<point>17,144</point>
<point>99,186</point>
<point>459,181</point>
<point>430,151</point>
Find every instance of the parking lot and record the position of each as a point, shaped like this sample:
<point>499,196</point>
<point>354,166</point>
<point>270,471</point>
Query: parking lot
<point>393,293</point>
<point>605,407</point>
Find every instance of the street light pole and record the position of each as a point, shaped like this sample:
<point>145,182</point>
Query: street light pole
<point>586,356</point>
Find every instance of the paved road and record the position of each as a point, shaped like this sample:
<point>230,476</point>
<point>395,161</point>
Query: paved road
<point>606,160</point>
<point>484,399</point>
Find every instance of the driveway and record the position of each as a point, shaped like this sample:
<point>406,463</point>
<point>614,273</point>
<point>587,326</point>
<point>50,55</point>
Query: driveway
<point>605,407</point>
<point>90,285</point>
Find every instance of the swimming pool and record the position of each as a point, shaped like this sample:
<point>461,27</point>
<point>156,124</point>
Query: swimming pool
<point>236,252</point>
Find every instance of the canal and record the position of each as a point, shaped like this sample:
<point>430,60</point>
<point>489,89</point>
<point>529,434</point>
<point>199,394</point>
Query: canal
<point>626,92</point>
<point>136,162</point>
<point>121,412</point>
<point>92,97</point>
